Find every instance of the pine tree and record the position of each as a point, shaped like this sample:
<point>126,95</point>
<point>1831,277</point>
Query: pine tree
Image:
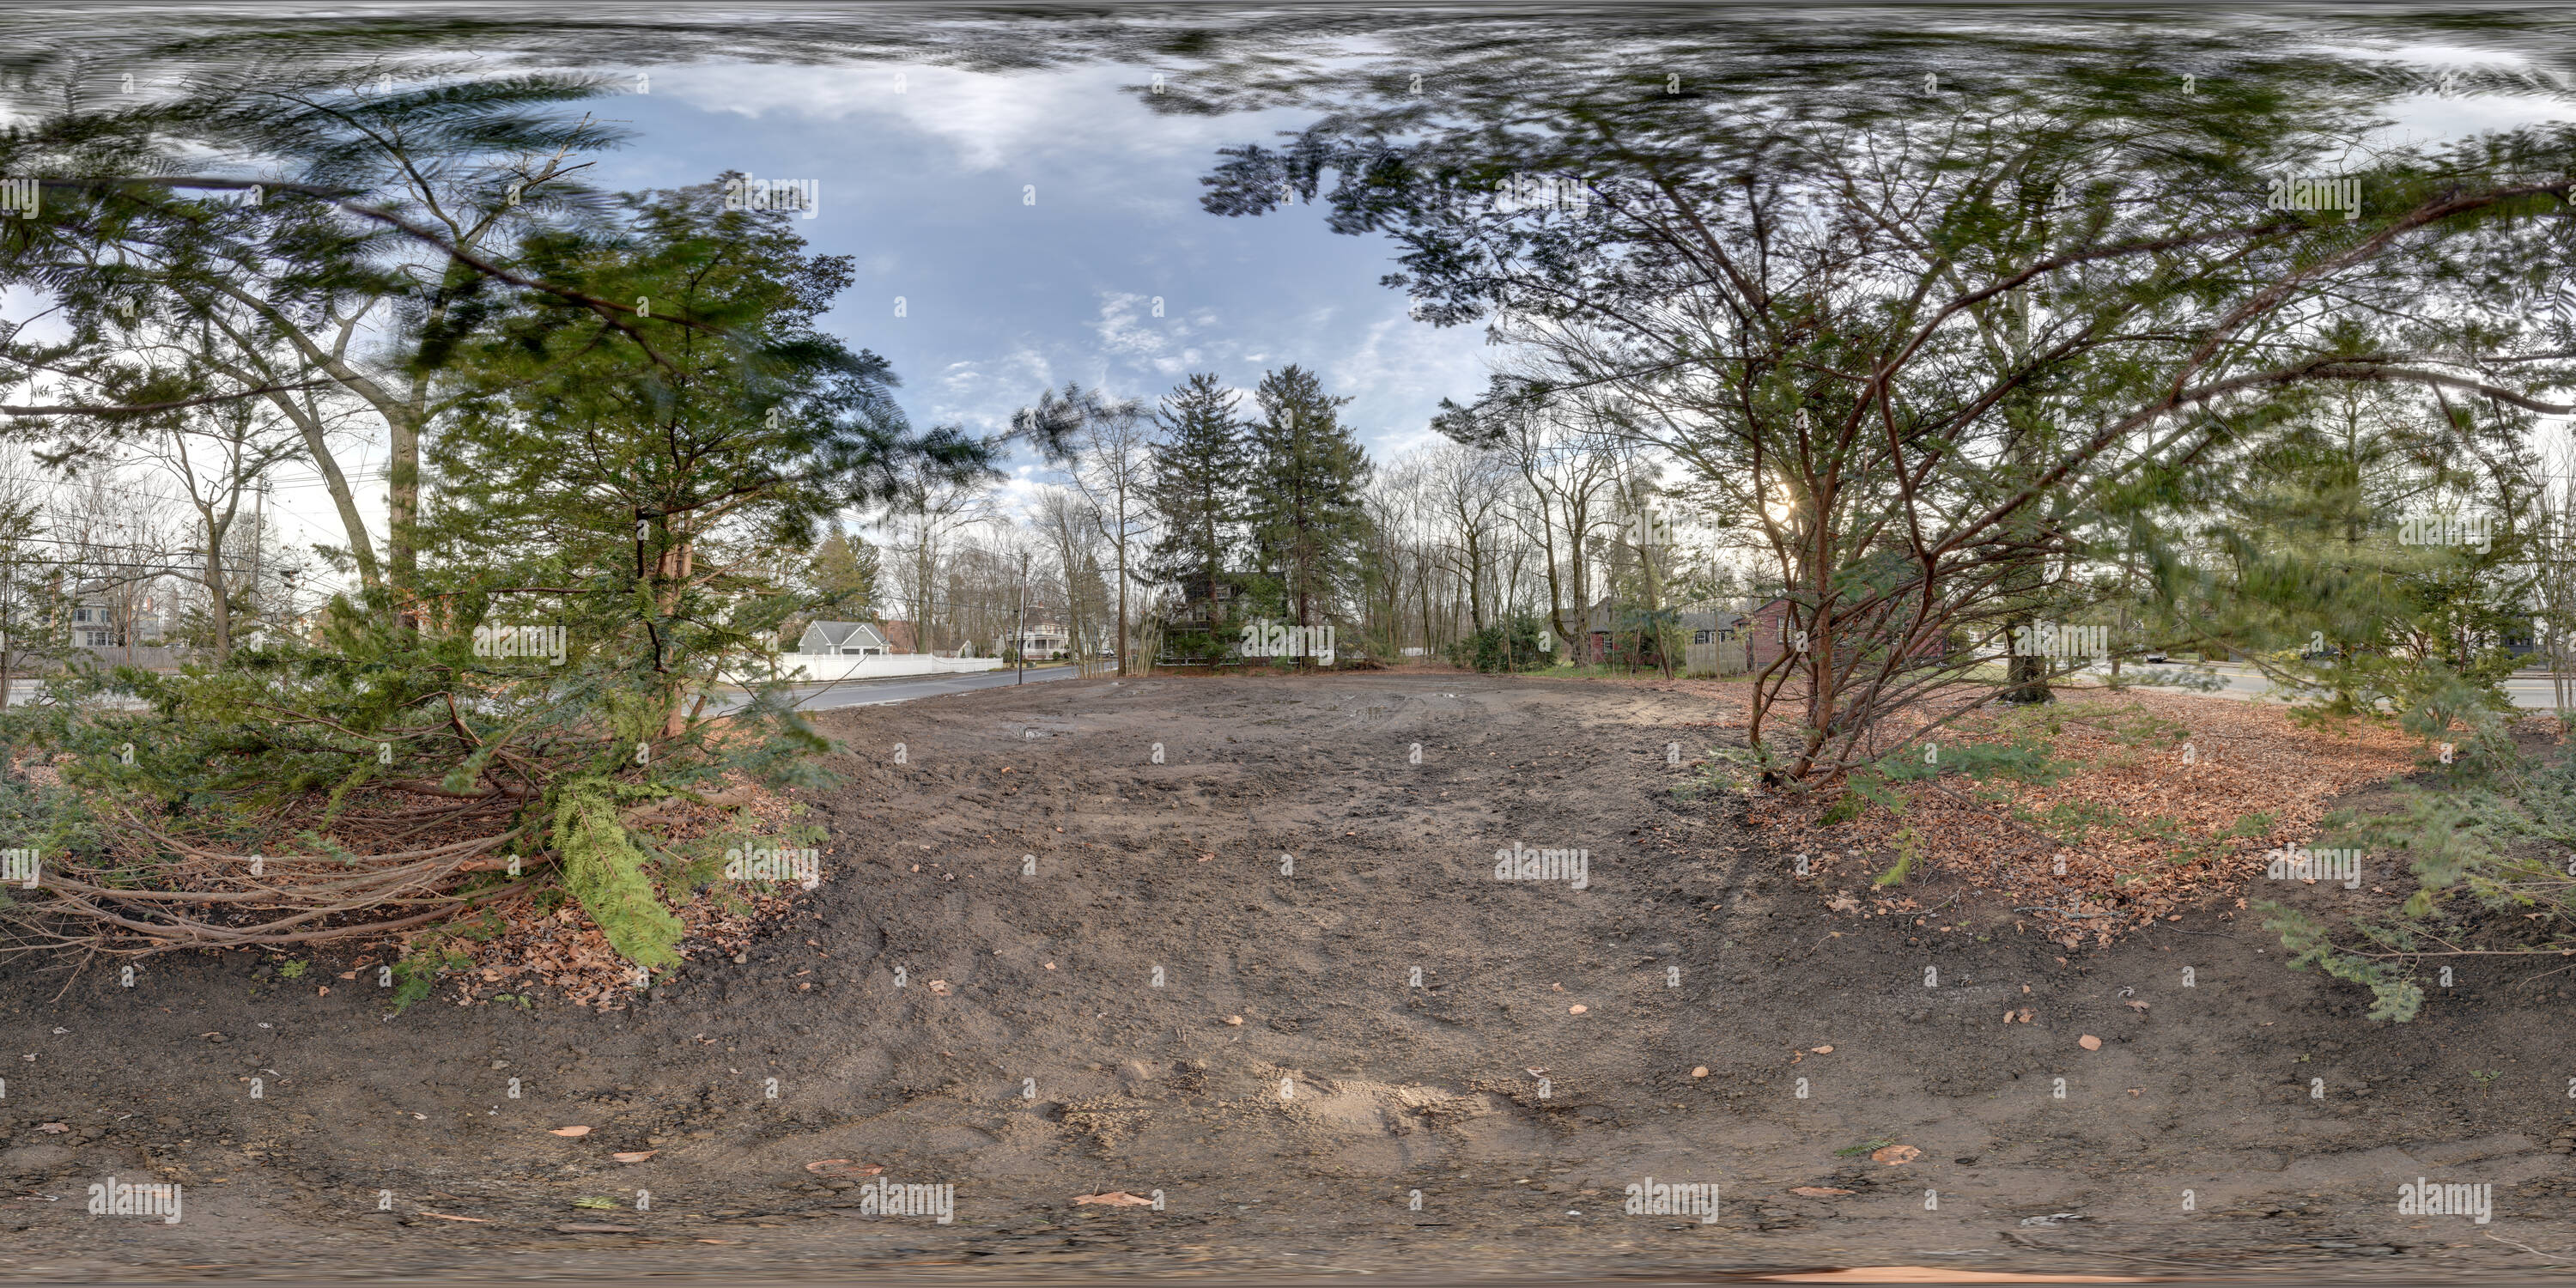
<point>1304,495</point>
<point>643,491</point>
<point>1197,491</point>
<point>844,572</point>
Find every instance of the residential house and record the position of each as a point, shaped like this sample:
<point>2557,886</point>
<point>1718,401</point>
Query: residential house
<point>1198,611</point>
<point>1609,627</point>
<point>1043,639</point>
<point>843,639</point>
<point>122,624</point>
<point>1198,629</point>
<point>94,626</point>
<point>1712,622</point>
<point>104,618</point>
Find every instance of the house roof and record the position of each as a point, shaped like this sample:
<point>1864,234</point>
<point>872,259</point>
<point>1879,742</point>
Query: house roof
<point>846,634</point>
<point>1605,616</point>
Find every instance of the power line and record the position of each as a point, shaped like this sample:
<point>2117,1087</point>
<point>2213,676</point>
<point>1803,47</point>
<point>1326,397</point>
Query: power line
<point>134,547</point>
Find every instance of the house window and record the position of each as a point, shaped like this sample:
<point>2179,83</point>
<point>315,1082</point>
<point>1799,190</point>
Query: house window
<point>102,639</point>
<point>80,615</point>
<point>1699,637</point>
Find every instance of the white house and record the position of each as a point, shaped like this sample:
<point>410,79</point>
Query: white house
<point>1043,639</point>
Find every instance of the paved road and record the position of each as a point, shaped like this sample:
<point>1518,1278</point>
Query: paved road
<point>2530,690</point>
<point>876,693</point>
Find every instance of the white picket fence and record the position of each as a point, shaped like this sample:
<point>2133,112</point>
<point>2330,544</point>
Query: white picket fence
<point>822,669</point>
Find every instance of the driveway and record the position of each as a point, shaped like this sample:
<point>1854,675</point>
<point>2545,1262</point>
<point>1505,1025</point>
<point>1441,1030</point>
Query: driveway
<point>2529,689</point>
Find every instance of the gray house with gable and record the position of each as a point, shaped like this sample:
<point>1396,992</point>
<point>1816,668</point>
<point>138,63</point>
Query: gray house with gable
<point>843,639</point>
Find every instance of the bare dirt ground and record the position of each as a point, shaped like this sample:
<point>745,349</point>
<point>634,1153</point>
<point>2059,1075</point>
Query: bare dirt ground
<point>1198,976</point>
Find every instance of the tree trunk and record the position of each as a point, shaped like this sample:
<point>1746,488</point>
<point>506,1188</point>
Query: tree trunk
<point>2026,678</point>
<point>218,590</point>
<point>402,527</point>
<point>1475,580</point>
<point>1122,582</point>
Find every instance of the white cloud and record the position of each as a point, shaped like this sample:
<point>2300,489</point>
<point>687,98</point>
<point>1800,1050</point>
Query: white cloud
<point>1401,363</point>
<point>987,120</point>
<point>1128,329</point>
<point>982,399</point>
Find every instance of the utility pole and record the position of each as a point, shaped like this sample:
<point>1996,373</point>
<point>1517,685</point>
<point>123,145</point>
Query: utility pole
<point>258,538</point>
<point>1020,642</point>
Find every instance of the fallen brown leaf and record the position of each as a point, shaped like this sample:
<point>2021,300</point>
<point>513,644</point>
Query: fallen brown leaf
<point>1114,1198</point>
<point>939,986</point>
<point>1824,1050</point>
<point>1817,1191</point>
<point>54,1128</point>
<point>842,1167</point>
<point>1577,1009</point>
<point>478,1220</point>
<point>636,1156</point>
<point>1895,1154</point>
<point>2270,763</point>
<point>2135,1005</point>
<point>571,1131</point>
<point>2089,1042</point>
<point>1700,1071</point>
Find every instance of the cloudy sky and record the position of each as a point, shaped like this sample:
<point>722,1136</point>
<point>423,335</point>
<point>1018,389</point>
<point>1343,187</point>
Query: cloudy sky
<point>1046,228</point>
